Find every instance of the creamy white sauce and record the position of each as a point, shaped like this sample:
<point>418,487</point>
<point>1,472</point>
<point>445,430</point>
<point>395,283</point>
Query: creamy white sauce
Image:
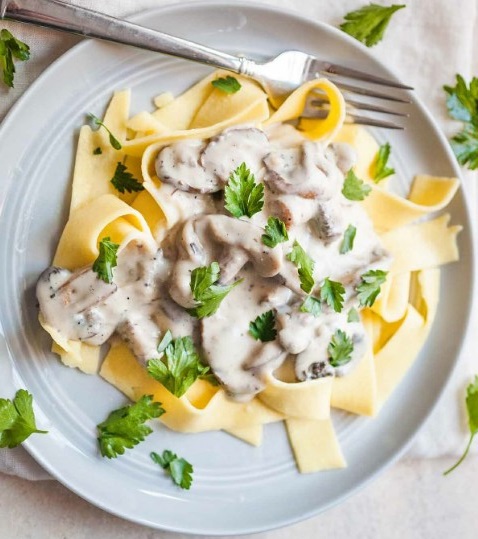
<point>151,289</point>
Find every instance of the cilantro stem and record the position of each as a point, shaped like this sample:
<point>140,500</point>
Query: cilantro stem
<point>463,457</point>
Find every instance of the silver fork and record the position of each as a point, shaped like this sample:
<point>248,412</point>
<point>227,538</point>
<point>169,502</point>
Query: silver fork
<point>278,76</point>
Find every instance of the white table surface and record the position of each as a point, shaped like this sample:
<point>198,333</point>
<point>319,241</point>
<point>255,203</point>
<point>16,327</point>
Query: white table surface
<point>410,500</point>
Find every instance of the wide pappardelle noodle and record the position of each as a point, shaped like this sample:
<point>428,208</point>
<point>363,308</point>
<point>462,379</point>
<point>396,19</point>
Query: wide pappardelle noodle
<point>261,238</point>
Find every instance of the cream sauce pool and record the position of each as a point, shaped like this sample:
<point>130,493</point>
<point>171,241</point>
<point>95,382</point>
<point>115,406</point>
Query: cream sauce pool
<point>151,290</point>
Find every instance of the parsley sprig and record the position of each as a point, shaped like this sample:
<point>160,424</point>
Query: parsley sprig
<point>98,123</point>
<point>243,196</point>
<point>380,168</point>
<point>305,266</point>
<point>311,305</point>
<point>123,180</point>
<point>17,419</point>
<point>369,287</point>
<point>275,232</point>
<point>472,411</point>
<point>10,49</point>
<point>124,428</point>
<point>263,327</point>
<point>228,85</point>
<point>348,240</point>
<point>369,23</point>
<point>106,260</point>
<point>340,349</point>
<point>462,104</point>
<point>179,469</point>
<point>333,293</point>
<point>207,294</point>
<point>353,315</point>
<point>179,367</point>
<point>354,188</point>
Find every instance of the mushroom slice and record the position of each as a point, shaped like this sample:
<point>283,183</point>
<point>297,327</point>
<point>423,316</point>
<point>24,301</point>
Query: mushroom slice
<point>233,147</point>
<point>178,165</point>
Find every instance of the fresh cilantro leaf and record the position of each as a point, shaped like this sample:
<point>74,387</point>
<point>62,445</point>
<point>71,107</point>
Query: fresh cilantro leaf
<point>354,188</point>
<point>333,293</point>
<point>311,305</point>
<point>180,469</point>
<point>380,169</point>
<point>113,140</point>
<point>305,266</point>
<point>275,232</point>
<point>180,365</point>
<point>369,23</point>
<point>208,294</point>
<point>124,180</point>
<point>462,101</point>
<point>17,419</point>
<point>340,349</point>
<point>369,288</point>
<point>465,146</point>
<point>472,410</point>
<point>348,241</point>
<point>353,315</point>
<point>263,327</point>
<point>228,85</point>
<point>124,428</point>
<point>97,151</point>
<point>106,260</point>
<point>10,49</point>
<point>242,194</point>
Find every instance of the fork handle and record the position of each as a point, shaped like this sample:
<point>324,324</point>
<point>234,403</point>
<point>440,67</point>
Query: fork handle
<point>62,16</point>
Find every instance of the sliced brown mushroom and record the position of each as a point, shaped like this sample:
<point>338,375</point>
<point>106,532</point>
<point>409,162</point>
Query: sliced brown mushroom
<point>305,171</point>
<point>200,167</point>
<point>229,241</point>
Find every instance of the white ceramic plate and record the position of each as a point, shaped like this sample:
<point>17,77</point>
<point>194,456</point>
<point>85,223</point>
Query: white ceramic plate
<point>237,488</point>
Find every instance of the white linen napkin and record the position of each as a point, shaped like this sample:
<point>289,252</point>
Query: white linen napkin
<point>426,44</point>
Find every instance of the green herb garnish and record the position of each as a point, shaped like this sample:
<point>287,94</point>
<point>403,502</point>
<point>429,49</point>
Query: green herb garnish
<point>98,123</point>
<point>208,294</point>
<point>369,23</point>
<point>348,240</point>
<point>106,260</point>
<point>380,168</point>
<point>123,180</point>
<point>124,428</point>
<point>179,469</point>
<point>311,305</point>
<point>243,196</point>
<point>333,293</point>
<point>263,327</point>
<point>305,266</point>
<point>369,288</point>
<point>275,232</point>
<point>353,315</point>
<point>354,188</point>
<point>340,349</point>
<point>180,365</point>
<point>228,85</point>
<point>472,410</point>
<point>17,419</point>
<point>10,49</point>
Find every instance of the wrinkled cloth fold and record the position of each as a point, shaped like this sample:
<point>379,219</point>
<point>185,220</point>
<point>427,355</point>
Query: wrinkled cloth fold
<point>426,44</point>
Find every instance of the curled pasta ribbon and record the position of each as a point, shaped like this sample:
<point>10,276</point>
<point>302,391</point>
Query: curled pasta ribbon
<point>428,194</point>
<point>105,216</point>
<point>294,105</point>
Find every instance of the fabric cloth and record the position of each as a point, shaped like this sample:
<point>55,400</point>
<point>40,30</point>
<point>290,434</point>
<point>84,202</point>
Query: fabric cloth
<point>426,44</point>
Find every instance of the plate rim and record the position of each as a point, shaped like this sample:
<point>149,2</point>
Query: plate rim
<point>10,117</point>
